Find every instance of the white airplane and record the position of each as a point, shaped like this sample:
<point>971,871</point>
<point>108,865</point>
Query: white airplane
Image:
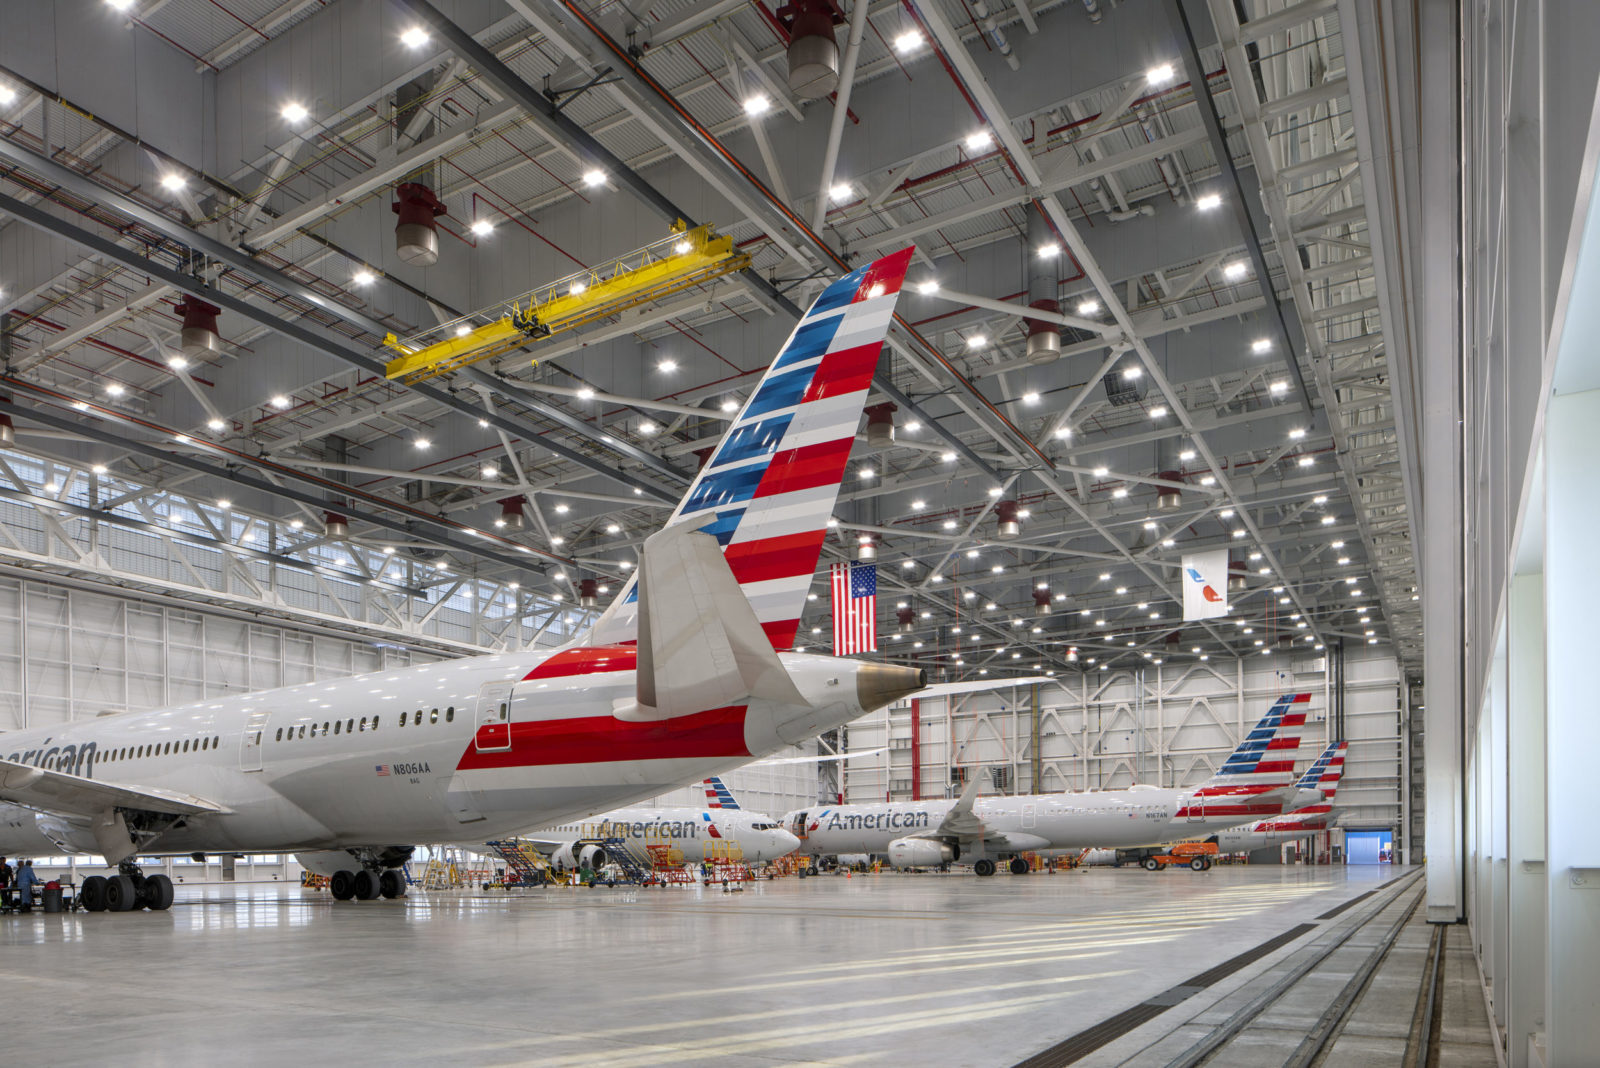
<point>700,834</point>
<point>680,678</point>
<point>1256,780</point>
<point>1323,776</point>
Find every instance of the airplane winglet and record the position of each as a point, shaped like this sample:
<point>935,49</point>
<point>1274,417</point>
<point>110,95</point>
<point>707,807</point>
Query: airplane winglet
<point>700,644</point>
<point>960,821</point>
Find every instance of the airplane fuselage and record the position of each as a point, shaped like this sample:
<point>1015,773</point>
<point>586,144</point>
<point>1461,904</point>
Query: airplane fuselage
<point>1036,823</point>
<point>489,745</point>
<point>697,834</point>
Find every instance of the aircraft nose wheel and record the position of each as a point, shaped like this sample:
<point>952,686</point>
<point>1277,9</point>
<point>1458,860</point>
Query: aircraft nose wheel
<point>1019,866</point>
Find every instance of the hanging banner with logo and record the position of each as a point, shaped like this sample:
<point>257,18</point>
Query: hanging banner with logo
<point>1205,585</point>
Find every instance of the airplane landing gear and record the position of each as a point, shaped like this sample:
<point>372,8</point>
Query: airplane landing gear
<point>392,883</point>
<point>126,891</point>
<point>983,867</point>
<point>366,885</point>
<point>1019,866</point>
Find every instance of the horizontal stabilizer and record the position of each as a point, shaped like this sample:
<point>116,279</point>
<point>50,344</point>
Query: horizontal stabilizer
<point>74,795</point>
<point>700,645</point>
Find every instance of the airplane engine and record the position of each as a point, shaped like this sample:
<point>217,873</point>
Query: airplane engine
<point>921,853</point>
<point>590,856</point>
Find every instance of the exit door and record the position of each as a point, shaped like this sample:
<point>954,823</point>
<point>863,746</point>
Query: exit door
<point>255,732</point>
<point>1030,816</point>
<point>494,718</point>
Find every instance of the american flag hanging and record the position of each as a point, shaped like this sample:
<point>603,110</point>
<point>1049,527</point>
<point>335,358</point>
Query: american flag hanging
<point>855,609</point>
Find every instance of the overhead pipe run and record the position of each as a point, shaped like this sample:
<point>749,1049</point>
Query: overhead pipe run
<point>1044,287</point>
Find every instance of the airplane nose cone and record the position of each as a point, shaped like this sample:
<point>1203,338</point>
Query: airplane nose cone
<point>878,685</point>
<point>784,843</point>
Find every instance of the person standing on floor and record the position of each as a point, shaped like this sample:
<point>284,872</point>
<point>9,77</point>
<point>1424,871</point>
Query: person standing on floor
<point>26,881</point>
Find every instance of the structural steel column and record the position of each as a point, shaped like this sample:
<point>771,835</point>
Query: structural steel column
<point>1441,567</point>
<point>1525,782</point>
<point>916,749</point>
<point>1572,846</point>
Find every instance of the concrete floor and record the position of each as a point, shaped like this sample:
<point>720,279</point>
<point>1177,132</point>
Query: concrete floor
<point>907,969</point>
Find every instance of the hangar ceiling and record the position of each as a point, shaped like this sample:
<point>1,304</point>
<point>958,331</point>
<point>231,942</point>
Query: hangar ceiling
<point>251,150</point>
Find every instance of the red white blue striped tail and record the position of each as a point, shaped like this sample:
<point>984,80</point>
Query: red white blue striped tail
<point>718,795</point>
<point>1324,772</point>
<point>1265,759</point>
<point>768,490</point>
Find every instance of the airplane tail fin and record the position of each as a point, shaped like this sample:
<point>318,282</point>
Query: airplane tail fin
<point>1325,772</point>
<point>699,645</point>
<point>1264,761</point>
<point>718,795</point>
<point>768,489</point>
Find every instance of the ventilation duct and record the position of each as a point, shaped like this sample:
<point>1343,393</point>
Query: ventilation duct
<point>880,425</point>
<point>1044,285</point>
<point>199,336</point>
<point>511,513</point>
<point>1009,520</point>
<point>416,235</point>
<point>813,52</point>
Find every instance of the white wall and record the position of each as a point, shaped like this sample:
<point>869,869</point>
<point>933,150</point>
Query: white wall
<point>69,654</point>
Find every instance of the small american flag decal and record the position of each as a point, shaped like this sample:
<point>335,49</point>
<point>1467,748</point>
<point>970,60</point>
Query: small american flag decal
<point>383,769</point>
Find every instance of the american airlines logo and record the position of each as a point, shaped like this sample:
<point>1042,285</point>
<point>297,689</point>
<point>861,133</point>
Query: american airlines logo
<point>875,821</point>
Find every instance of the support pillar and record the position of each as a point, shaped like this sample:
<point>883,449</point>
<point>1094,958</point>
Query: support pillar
<point>1572,848</point>
<point>1525,786</point>
<point>916,749</point>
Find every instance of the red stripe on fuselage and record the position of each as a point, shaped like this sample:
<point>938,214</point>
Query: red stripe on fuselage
<point>606,739</point>
<point>588,660</point>
<point>1229,810</point>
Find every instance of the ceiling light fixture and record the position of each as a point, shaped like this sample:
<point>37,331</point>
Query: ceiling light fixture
<point>414,37</point>
<point>908,41</point>
<point>594,178</point>
<point>1235,270</point>
<point>841,192</point>
<point>482,227</point>
<point>1088,306</point>
<point>979,140</point>
<point>294,111</point>
<point>1160,75</point>
<point>1209,202</point>
<point>363,278</point>
<point>756,104</point>
<point>173,182</point>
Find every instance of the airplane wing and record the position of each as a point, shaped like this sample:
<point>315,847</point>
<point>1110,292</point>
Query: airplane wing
<point>946,689</point>
<point>959,822</point>
<point>74,795</point>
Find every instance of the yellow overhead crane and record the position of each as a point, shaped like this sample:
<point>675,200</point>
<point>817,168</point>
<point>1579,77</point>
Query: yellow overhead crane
<point>686,258</point>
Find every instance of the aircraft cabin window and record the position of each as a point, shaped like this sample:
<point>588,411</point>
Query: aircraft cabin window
<point>215,740</point>
<point>186,745</point>
<point>279,738</point>
<point>336,726</point>
<point>324,728</point>
<point>403,719</point>
<point>418,721</point>
<point>374,722</point>
<point>450,714</point>
<point>350,727</point>
<point>433,717</point>
<point>302,730</point>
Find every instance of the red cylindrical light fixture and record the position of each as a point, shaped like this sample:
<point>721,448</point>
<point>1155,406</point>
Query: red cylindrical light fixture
<point>866,547</point>
<point>1044,338</point>
<point>335,525</point>
<point>1008,519</point>
<point>907,617</point>
<point>1041,600</point>
<point>704,456</point>
<point>1237,576</point>
<point>8,431</point>
<point>416,235</point>
<point>511,513</point>
<point>588,592</point>
<point>880,425</point>
<point>199,336</point>
<point>1169,498</point>
<point>813,52</point>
